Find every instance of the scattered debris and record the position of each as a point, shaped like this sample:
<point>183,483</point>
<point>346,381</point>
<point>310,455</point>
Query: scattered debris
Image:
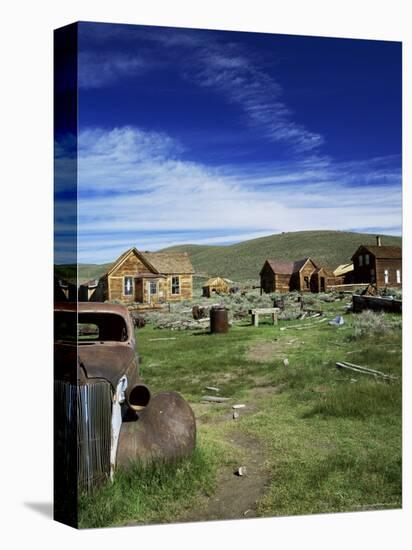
<point>200,312</point>
<point>211,388</point>
<point>156,339</point>
<point>376,303</point>
<point>337,321</point>
<point>353,380</point>
<point>241,471</point>
<point>308,325</point>
<point>370,290</point>
<point>286,362</point>
<point>245,513</point>
<point>365,370</point>
<point>139,321</point>
<point>214,399</point>
<point>182,324</point>
<point>239,406</point>
<point>235,415</point>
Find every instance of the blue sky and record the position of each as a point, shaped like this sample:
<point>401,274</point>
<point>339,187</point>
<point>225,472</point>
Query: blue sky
<point>214,137</point>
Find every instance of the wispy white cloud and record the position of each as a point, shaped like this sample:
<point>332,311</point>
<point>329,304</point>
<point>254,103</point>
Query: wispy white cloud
<point>135,189</point>
<point>97,69</point>
<point>256,93</point>
<point>205,61</point>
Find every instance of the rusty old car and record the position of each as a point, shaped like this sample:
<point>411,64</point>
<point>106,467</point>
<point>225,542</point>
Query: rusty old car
<point>105,416</point>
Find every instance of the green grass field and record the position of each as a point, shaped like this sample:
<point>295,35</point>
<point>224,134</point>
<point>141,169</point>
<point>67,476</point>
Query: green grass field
<point>313,438</point>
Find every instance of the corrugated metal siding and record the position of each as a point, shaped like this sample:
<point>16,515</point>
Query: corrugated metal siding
<point>93,433</point>
<point>84,419</point>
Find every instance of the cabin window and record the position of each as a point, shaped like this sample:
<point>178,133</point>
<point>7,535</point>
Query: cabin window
<point>175,285</point>
<point>386,276</point>
<point>360,261</point>
<point>373,280</point>
<point>398,276</point>
<point>153,287</point>
<point>366,259</point>
<point>128,286</point>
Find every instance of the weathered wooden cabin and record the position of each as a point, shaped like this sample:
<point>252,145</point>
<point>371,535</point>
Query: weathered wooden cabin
<point>378,265</point>
<point>304,276</point>
<point>215,285</point>
<point>147,278</point>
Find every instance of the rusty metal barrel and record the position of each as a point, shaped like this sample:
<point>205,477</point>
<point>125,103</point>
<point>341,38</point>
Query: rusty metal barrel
<point>219,320</point>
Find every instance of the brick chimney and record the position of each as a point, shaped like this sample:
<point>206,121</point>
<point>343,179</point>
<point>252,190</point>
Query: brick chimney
<point>378,240</point>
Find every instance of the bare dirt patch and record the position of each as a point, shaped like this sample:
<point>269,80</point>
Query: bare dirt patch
<point>264,351</point>
<point>236,496</point>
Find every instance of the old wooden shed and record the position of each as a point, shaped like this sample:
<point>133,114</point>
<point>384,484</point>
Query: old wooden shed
<point>215,285</point>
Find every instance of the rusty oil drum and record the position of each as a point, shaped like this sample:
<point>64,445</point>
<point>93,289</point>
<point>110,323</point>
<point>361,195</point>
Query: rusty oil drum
<point>219,320</point>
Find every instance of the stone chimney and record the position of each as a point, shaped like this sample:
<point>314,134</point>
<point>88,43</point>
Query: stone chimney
<point>378,240</point>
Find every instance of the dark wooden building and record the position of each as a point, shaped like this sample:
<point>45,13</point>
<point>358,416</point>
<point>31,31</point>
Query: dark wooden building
<point>378,265</point>
<point>304,276</point>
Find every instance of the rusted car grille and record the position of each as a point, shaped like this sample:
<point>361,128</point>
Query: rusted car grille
<point>85,410</point>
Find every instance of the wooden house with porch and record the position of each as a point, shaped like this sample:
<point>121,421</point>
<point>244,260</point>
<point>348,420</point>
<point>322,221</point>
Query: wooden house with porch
<point>286,276</point>
<point>378,265</point>
<point>147,278</point>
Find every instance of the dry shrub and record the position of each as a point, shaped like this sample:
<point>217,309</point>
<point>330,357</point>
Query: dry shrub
<point>370,323</point>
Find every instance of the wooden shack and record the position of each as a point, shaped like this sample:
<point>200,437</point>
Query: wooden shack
<point>147,278</point>
<point>215,285</point>
<point>285,276</point>
<point>378,265</point>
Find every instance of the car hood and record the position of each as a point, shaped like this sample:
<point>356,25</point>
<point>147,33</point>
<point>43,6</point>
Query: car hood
<point>107,360</point>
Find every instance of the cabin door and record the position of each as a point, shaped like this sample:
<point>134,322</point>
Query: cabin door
<point>152,292</point>
<point>322,284</point>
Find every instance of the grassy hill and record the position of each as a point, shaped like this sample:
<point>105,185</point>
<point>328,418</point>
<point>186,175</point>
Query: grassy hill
<point>86,271</point>
<point>243,261</point>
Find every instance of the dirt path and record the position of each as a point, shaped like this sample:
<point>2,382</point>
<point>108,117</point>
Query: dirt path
<point>236,496</point>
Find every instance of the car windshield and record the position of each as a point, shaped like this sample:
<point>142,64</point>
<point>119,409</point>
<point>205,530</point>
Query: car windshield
<point>70,326</point>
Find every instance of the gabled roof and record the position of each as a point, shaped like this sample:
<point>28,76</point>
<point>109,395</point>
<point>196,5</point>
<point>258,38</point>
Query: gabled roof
<point>169,262</point>
<point>287,268</point>
<point>216,281</point>
<point>125,255</point>
<point>324,269</point>
<point>281,266</point>
<point>383,252</point>
<point>157,262</point>
<point>300,263</point>
<point>343,269</point>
